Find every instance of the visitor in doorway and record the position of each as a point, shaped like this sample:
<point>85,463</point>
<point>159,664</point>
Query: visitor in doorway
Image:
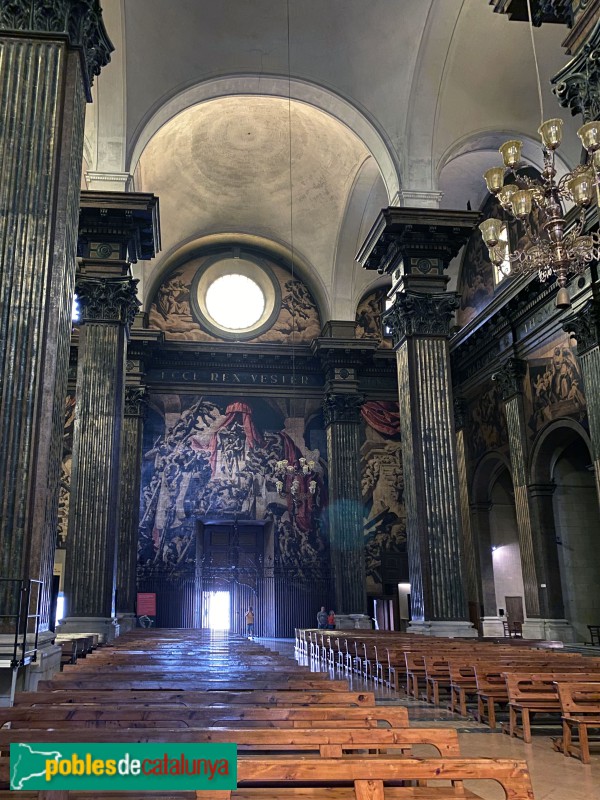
<point>331,621</point>
<point>322,619</point>
<point>250,623</point>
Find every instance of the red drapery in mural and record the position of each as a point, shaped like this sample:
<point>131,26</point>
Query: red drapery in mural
<point>383,416</point>
<point>236,412</point>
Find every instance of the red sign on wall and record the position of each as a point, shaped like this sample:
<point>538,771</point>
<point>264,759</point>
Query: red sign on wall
<point>146,604</point>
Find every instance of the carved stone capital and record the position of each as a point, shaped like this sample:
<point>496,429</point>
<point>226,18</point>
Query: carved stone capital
<point>420,315</point>
<point>109,300</point>
<point>557,11</point>
<point>461,410</point>
<point>344,408</point>
<point>510,377</point>
<point>79,20</point>
<point>577,85</point>
<point>136,401</point>
<point>584,326</point>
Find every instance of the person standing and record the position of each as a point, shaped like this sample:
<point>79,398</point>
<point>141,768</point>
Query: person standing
<point>322,619</point>
<point>331,621</point>
<point>250,623</point>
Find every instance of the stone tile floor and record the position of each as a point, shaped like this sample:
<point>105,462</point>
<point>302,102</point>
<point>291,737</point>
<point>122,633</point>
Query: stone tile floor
<point>553,776</point>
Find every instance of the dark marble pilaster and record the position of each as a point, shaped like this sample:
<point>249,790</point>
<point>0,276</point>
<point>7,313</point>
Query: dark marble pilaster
<point>420,325</point>
<point>341,413</point>
<point>108,306</point>
<point>129,513</point>
<point>469,545</point>
<point>510,380</point>
<point>480,516</point>
<point>48,55</point>
<point>584,326</point>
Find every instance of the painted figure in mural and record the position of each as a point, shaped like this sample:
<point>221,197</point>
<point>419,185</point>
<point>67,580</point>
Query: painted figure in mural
<point>322,619</point>
<point>557,388</point>
<point>250,623</point>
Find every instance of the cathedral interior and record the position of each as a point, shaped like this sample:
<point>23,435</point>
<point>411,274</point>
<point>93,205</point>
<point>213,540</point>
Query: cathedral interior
<point>256,349</point>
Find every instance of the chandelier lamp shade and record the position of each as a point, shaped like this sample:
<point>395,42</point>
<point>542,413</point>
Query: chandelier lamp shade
<point>539,204</point>
<point>297,479</point>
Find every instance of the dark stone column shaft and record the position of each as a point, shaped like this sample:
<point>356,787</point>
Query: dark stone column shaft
<point>431,477</point>
<point>469,545</point>
<point>107,307</point>
<point>342,416</point>
<point>510,378</point>
<point>42,110</point>
<point>131,465</point>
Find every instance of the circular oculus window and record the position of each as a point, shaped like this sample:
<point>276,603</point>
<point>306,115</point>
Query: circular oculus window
<point>236,298</point>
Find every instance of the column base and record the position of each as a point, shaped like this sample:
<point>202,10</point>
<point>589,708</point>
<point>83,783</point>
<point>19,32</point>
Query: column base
<point>108,627</point>
<point>452,629</point>
<point>554,630</point>
<point>26,679</point>
<point>347,622</point>
<point>126,621</point>
<point>493,626</point>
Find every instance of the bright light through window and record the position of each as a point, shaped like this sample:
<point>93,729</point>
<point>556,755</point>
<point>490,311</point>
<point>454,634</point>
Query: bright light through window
<point>501,271</point>
<point>235,302</point>
<point>75,309</point>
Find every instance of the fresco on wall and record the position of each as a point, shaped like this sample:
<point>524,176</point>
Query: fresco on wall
<point>171,310</point>
<point>368,318</point>
<point>382,481</point>
<point>476,279</point>
<point>64,491</point>
<point>555,386</point>
<point>215,458</point>
<point>487,429</point>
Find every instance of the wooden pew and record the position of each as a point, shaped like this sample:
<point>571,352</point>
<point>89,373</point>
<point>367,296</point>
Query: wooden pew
<point>182,682</point>
<point>531,694</point>
<point>283,778</point>
<point>118,697</point>
<point>58,716</point>
<point>580,707</point>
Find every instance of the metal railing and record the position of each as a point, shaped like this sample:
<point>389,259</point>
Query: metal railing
<point>22,625</point>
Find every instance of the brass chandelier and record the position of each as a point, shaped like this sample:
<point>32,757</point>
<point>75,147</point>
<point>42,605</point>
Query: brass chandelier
<point>539,204</point>
<point>295,478</point>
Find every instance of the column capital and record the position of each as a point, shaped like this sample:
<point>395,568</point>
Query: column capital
<point>461,410</point>
<point>108,300</point>
<point>577,85</point>
<point>342,408</point>
<point>136,401</point>
<point>420,315</point>
<point>510,377</point>
<point>584,326</point>
<point>80,21</point>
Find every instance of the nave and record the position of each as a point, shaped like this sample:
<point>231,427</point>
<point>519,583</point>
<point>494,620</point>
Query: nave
<point>304,718</point>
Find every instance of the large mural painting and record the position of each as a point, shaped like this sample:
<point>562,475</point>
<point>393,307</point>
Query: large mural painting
<point>555,387</point>
<point>382,479</point>
<point>215,458</point>
<point>487,429</point>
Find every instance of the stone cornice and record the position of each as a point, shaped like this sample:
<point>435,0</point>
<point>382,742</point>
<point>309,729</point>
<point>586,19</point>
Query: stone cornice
<point>556,11</point>
<point>80,21</point>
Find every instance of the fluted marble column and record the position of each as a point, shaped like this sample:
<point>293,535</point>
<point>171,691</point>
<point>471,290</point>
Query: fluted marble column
<point>107,308</point>
<point>584,326</point>
<point>342,417</point>
<point>49,54</point>
<point>129,512</point>
<point>510,379</point>
<point>420,327</point>
<point>470,549</point>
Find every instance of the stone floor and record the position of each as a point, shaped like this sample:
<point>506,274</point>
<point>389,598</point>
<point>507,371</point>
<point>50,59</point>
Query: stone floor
<point>553,776</point>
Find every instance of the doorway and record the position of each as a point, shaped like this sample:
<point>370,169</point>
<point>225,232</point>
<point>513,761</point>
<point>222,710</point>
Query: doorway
<point>216,611</point>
